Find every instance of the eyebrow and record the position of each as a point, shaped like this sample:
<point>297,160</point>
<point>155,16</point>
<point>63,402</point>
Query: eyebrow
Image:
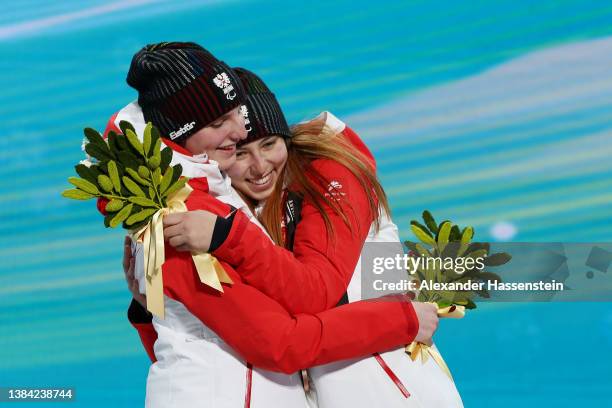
<point>265,139</point>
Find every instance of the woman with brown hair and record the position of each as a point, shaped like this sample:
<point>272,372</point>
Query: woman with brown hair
<point>315,189</point>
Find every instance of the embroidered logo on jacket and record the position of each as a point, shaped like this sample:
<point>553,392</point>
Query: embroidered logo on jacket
<point>333,190</point>
<point>223,81</point>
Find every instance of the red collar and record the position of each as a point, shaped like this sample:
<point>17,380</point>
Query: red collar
<point>176,147</point>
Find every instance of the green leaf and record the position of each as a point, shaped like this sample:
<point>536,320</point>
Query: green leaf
<point>76,194</point>
<point>105,183</point>
<point>128,160</point>
<point>113,144</point>
<point>470,304</point>
<point>166,158</point>
<point>157,148</point>
<point>467,235</point>
<point>122,142</point>
<point>134,142</point>
<point>140,216</point>
<point>132,186</point>
<point>154,161</point>
<point>98,152</point>
<point>451,250</point>
<point>497,259</point>
<point>178,172</point>
<point>444,303</point>
<point>156,177</point>
<point>176,186</point>
<point>107,219</point>
<point>84,185</point>
<point>422,235</point>
<point>146,140</point>
<point>444,235</point>
<point>134,174</point>
<point>421,226</point>
<point>480,253</point>
<point>422,251</point>
<point>155,136</point>
<point>475,246</point>
<point>483,293</point>
<point>165,181</point>
<point>444,232</point>
<point>121,216</point>
<point>86,173</point>
<point>143,172</point>
<point>114,205</point>
<point>124,125</point>
<point>144,202</point>
<point>94,137</point>
<point>455,234</point>
<point>114,175</point>
<point>430,222</point>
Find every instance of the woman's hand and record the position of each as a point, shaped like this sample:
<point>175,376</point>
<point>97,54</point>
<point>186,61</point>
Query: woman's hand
<point>428,321</point>
<point>190,231</point>
<point>128,271</point>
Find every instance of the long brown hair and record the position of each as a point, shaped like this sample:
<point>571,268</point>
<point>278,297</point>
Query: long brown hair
<point>310,141</point>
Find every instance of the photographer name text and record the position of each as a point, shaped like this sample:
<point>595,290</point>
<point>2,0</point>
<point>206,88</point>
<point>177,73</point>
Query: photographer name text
<point>411,285</point>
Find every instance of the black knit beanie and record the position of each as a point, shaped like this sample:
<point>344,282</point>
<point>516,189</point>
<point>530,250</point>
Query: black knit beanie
<point>263,115</point>
<point>182,87</point>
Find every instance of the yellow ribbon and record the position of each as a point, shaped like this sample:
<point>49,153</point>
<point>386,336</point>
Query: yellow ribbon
<point>416,349</point>
<point>210,271</point>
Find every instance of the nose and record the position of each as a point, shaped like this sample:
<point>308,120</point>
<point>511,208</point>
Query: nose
<point>258,164</point>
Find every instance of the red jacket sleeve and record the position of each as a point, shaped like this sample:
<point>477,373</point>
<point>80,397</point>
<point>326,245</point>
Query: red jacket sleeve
<point>148,336</point>
<point>316,275</point>
<point>266,335</point>
<point>141,321</point>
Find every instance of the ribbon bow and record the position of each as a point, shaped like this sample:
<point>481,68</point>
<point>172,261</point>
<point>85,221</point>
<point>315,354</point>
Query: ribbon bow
<point>210,271</point>
<point>416,349</point>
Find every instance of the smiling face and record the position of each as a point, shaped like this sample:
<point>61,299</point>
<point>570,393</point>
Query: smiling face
<point>258,166</point>
<point>218,140</point>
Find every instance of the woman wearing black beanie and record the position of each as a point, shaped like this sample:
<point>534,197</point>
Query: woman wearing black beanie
<point>207,341</point>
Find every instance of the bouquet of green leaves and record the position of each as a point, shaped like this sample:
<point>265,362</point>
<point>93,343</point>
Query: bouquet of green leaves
<point>448,241</point>
<point>131,179</point>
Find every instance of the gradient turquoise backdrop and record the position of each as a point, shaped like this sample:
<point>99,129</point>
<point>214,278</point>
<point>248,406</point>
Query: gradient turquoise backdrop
<point>491,113</point>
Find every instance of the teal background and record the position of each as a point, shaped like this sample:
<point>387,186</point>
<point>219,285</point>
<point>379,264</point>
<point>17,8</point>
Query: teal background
<point>480,111</point>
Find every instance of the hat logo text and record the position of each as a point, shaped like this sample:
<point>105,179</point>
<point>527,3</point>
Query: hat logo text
<point>184,129</point>
<point>223,81</point>
<point>247,121</point>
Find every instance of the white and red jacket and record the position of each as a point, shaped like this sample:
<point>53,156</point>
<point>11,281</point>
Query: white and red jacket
<point>315,275</point>
<point>208,340</point>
